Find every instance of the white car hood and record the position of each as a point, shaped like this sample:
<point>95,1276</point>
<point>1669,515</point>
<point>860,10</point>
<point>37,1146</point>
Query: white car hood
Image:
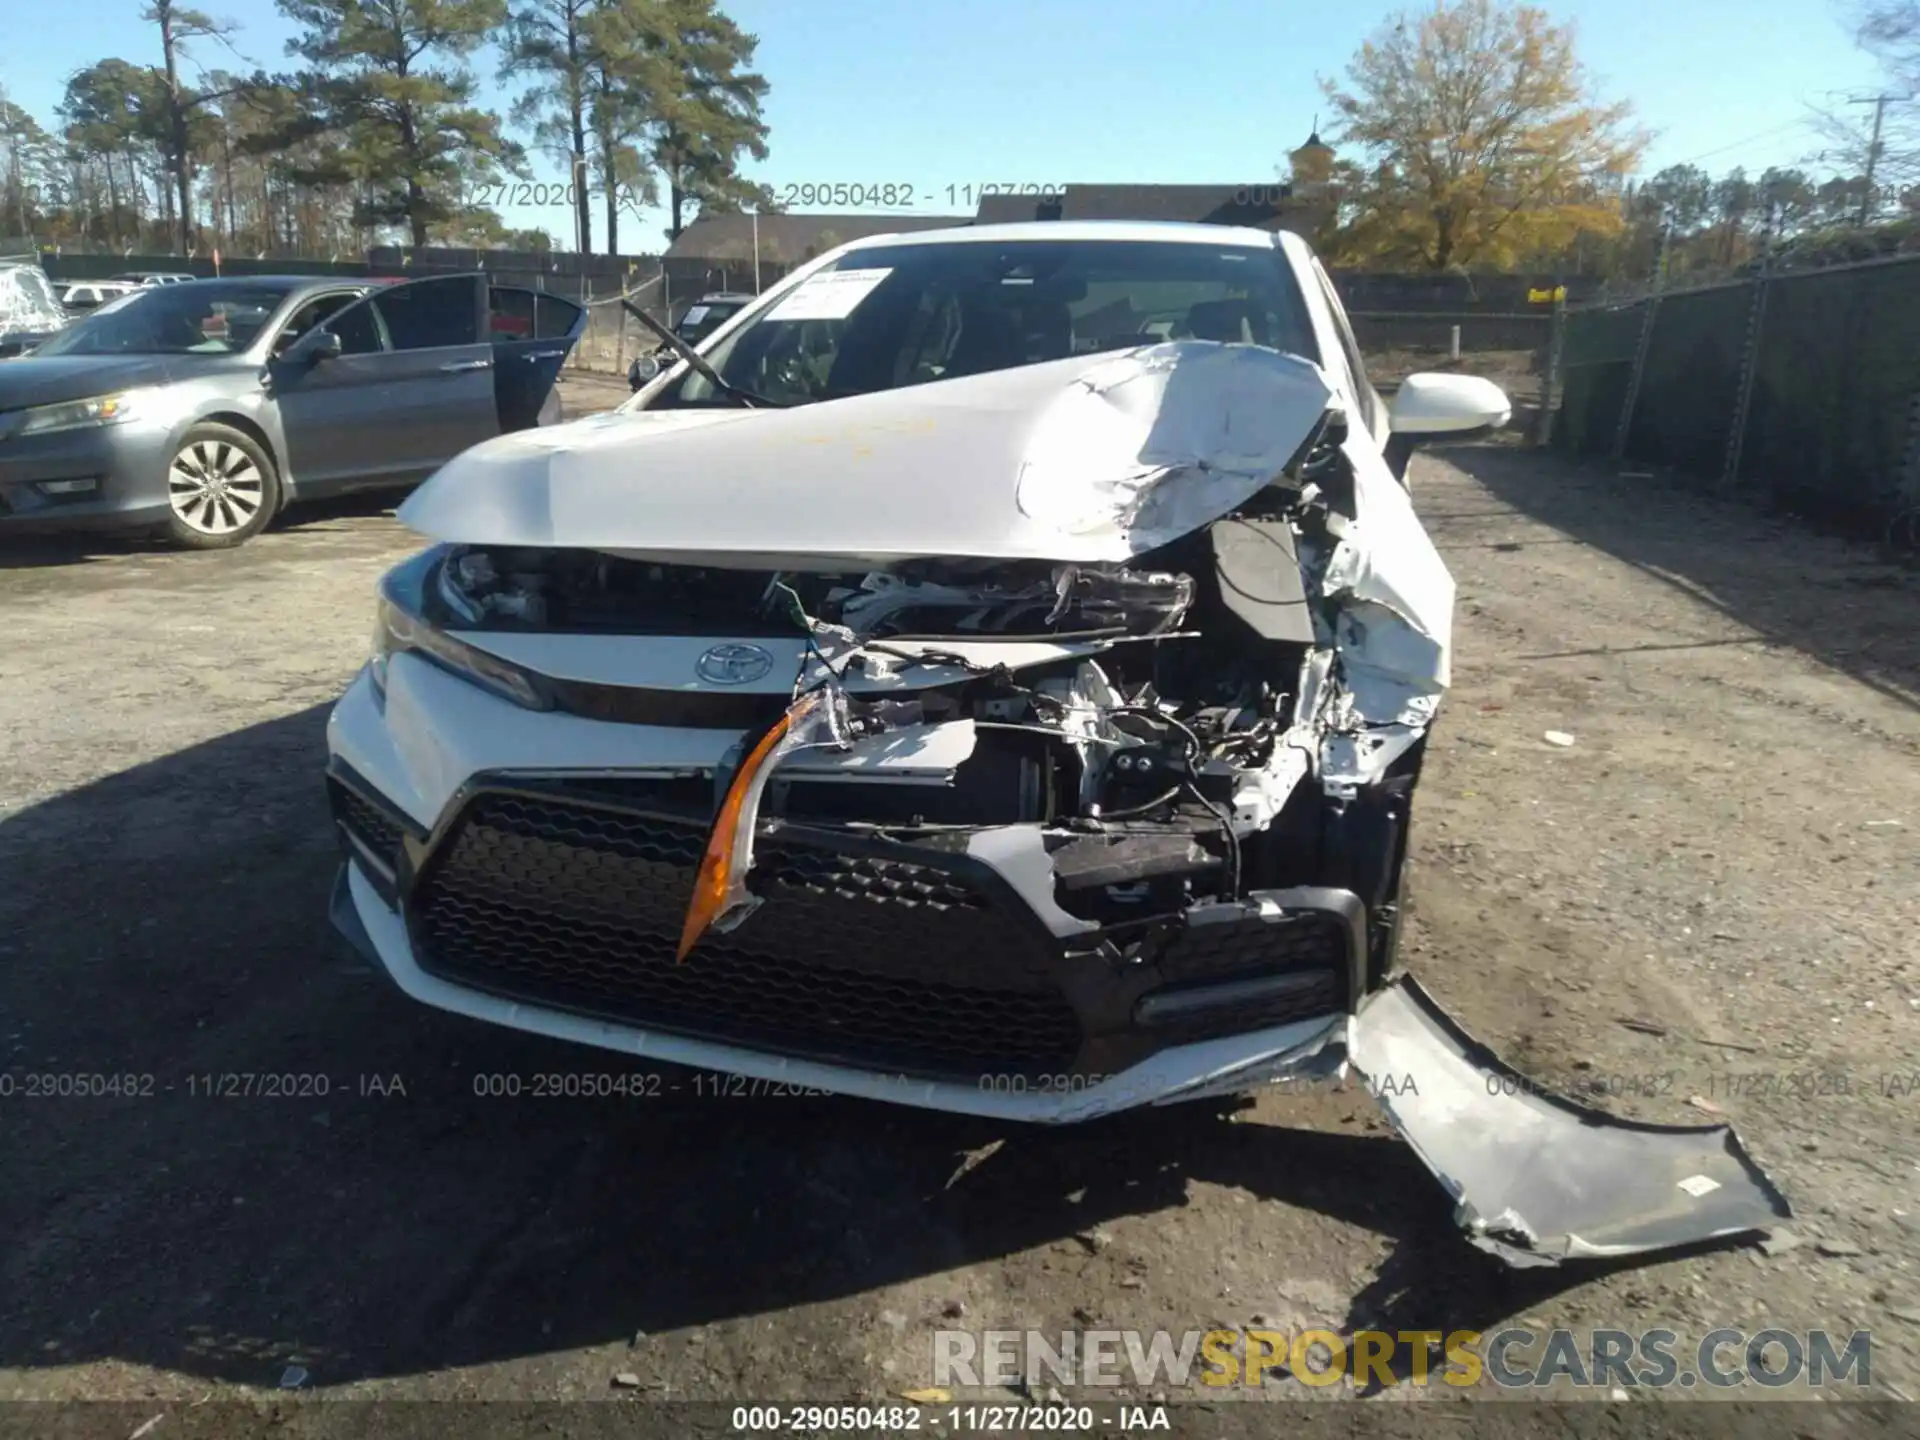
<point>1088,459</point>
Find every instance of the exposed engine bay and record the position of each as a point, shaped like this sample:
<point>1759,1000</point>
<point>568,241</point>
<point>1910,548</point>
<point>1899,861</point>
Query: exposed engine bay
<point>1155,718</point>
<point>1076,710</point>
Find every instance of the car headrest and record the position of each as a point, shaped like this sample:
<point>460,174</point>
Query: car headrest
<point>1231,321</point>
<point>1047,332</point>
<point>989,340</point>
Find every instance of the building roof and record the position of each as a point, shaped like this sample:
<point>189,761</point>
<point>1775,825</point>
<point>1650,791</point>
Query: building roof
<point>1261,204</point>
<point>790,238</point>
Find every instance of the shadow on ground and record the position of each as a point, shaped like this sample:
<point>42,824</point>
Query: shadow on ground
<point>1849,607</point>
<point>364,1212</point>
<point>62,548</point>
<point>59,548</point>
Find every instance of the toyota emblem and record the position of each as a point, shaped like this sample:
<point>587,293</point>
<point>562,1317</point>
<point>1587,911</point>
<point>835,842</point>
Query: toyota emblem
<point>733,664</point>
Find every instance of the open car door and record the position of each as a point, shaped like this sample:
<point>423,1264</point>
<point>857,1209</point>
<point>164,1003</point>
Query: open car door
<point>405,385</point>
<point>532,334</point>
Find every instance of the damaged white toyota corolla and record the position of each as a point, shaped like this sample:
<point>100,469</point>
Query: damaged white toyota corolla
<point>991,675</point>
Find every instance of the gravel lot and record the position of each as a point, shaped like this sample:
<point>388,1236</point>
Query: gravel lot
<point>1727,859</point>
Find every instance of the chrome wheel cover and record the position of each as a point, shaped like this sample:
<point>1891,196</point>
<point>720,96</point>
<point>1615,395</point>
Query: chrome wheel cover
<point>215,487</point>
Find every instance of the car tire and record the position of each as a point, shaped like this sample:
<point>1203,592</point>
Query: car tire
<point>222,489</point>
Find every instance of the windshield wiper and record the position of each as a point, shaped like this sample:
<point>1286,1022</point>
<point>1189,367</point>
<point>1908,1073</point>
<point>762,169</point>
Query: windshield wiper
<point>753,400</point>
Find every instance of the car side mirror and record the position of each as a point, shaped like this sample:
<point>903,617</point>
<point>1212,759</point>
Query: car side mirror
<point>1434,404</point>
<point>643,369</point>
<point>315,346</point>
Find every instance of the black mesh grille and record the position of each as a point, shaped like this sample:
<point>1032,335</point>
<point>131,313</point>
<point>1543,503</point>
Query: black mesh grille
<point>878,962</point>
<point>379,831</point>
<point>1317,995</point>
<point>1231,949</point>
<point>1310,948</point>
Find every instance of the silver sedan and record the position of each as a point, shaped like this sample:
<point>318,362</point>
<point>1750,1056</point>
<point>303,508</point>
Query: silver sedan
<point>200,410</point>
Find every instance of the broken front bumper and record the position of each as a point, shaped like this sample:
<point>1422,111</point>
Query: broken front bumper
<point>536,904</point>
<point>1536,1179</point>
<point>949,962</point>
<point>1186,1072</point>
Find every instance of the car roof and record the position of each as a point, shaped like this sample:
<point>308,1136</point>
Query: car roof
<point>286,284</point>
<point>1166,232</point>
<point>717,296</point>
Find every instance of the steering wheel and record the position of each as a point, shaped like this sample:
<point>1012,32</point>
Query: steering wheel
<point>791,373</point>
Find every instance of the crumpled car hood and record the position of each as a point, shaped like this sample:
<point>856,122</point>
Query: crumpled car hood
<point>1088,459</point>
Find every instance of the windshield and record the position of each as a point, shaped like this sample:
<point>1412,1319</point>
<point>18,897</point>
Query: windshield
<point>888,316</point>
<point>209,317</point>
<point>705,317</point>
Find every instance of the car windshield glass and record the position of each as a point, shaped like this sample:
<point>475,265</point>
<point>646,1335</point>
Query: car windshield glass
<point>206,318</point>
<point>897,315</point>
<point>704,317</point>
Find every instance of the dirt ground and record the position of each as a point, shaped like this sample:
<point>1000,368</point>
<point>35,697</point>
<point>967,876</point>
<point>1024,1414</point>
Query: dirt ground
<point>1707,904</point>
<point>582,392</point>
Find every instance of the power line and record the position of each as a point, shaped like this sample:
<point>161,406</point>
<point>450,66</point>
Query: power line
<point>1736,144</point>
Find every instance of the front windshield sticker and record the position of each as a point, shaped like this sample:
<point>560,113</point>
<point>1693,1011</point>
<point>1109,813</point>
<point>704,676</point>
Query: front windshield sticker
<point>831,295</point>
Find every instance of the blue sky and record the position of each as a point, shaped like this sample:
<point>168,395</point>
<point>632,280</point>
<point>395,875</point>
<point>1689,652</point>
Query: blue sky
<point>1056,91</point>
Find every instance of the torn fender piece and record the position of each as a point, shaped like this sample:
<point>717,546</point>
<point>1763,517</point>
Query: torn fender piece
<point>1539,1178</point>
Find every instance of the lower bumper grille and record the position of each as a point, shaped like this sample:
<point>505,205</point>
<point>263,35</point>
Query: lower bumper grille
<point>880,963</point>
<point>1309,941</point>
<point>371,825</point>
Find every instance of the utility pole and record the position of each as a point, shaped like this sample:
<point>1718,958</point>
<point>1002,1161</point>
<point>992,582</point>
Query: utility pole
<point>1879,103</point>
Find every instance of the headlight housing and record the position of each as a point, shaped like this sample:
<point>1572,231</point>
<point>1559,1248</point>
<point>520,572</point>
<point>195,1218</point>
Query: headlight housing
<point>403,625</point>
<point>114,409</point>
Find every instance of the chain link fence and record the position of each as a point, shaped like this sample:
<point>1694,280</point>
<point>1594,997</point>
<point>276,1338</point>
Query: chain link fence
<point>663,286</point>
<point>665,289</point>
<point>1801,388</point>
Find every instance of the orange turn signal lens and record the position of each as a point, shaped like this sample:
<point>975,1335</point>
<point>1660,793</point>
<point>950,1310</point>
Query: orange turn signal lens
<point>713,881</point>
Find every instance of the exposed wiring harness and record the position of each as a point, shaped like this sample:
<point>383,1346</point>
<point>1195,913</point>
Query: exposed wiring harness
<point>1189,784</point>
<point>1193,753</point>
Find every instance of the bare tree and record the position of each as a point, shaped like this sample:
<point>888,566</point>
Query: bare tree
<point>545,41</point>
<point>179,27</point>
<point>1877,135</point>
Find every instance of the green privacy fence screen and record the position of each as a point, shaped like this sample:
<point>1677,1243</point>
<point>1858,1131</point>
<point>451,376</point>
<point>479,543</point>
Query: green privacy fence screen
<point>1833,416</point>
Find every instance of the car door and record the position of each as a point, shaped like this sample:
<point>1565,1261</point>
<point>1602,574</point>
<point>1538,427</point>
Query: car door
<point>532,333</point>
<point>411,387</point>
